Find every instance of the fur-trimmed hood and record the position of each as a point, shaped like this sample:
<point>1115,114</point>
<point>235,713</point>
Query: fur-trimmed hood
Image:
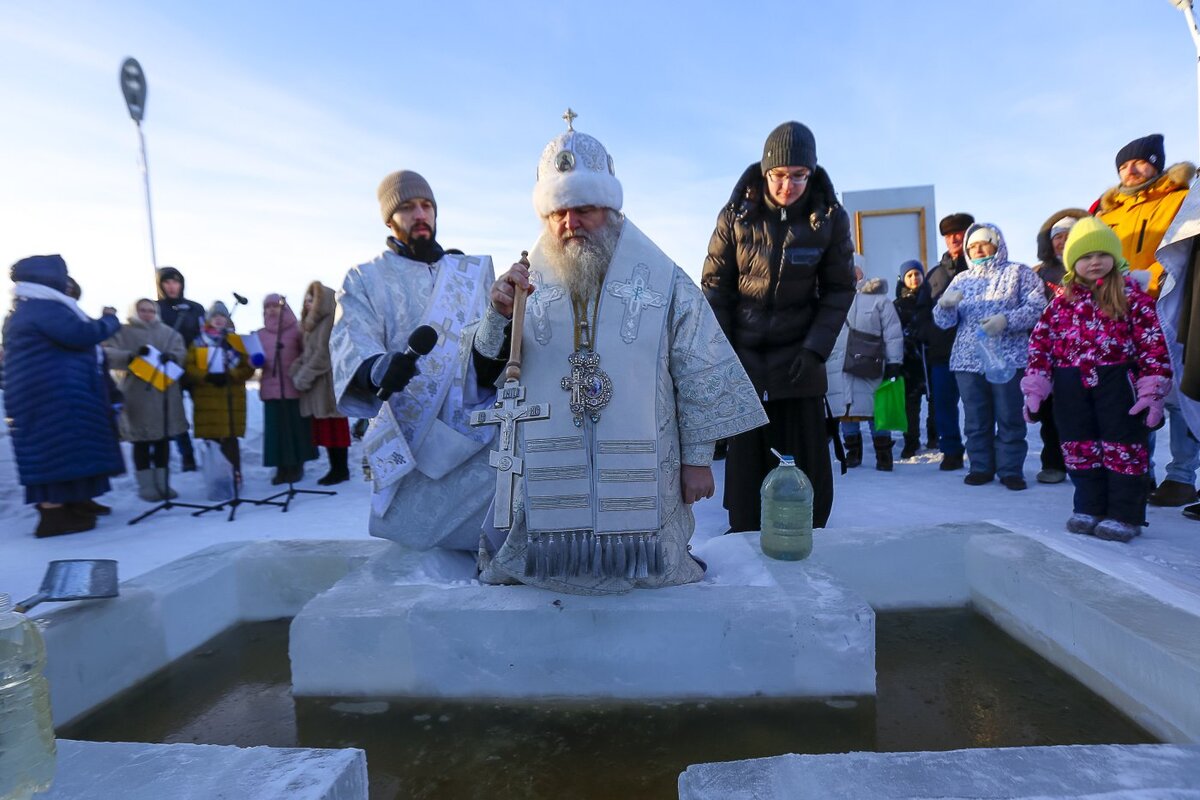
<point>324,302</point>
<point>1174,178</point>
<point>818,202</point>
<point>872,286</point>
<point>1045,248</point>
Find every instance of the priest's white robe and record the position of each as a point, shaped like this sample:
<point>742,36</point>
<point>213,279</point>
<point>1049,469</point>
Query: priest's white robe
<point>443,495</point>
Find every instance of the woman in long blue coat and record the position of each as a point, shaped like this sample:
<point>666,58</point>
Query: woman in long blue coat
<point>56,398</point>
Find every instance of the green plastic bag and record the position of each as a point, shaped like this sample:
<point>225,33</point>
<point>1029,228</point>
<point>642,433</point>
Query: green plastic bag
<point>889,406</point>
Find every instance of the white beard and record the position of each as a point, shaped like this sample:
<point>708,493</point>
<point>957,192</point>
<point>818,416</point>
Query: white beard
<point>581,261</point>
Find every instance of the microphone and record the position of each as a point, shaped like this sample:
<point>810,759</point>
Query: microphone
<point>420,342</point>
<point>241,300</point>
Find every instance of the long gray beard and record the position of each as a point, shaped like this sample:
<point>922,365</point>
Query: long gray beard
<point>581,266</point>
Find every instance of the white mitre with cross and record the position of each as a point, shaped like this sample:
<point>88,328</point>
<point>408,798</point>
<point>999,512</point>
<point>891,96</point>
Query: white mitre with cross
<point>575,170</point>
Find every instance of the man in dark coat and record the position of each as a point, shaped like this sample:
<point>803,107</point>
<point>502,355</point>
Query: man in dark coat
<point>938,341</point>
<point>780,278</point>
<point>185,316</point>
<point>55,397</point>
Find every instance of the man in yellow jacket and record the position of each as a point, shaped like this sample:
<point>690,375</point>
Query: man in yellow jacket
<point>1140,209</point>
<point>1142,206</point>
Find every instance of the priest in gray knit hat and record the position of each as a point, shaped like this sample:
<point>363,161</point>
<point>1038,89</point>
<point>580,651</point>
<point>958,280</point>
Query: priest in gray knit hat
<point>430,473</point>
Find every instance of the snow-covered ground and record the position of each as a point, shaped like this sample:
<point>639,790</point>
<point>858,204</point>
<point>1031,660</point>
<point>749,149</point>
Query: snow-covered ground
<point>1165,561</point>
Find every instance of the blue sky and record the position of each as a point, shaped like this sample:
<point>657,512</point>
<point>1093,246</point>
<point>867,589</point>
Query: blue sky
<point>269,125</point>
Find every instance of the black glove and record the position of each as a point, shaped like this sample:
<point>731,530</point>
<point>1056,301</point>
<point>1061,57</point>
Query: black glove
<point>392,372</point>
<point>167,358</point>
<point>805,366</point>
<point>893,371</point>
<point>144,350</point>
<point>218,379</point>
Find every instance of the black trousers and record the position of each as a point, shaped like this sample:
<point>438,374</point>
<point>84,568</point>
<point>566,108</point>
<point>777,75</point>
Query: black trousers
<point>1052,457</point>
<point>912,411</point>
<point>1106,450</point>
<point>796,427</point>
<point>147,453</point>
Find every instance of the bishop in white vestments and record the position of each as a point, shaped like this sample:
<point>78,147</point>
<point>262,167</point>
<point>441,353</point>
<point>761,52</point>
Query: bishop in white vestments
<point>622,350</point>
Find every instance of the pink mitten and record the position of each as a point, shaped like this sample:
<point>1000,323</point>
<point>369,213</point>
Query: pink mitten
<point>1036,388</point>
<point>1151,396</point>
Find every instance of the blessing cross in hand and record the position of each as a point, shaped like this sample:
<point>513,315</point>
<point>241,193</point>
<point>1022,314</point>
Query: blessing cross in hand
<point>508,411</point>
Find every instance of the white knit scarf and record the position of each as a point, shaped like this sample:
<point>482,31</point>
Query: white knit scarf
<point>36,291</point>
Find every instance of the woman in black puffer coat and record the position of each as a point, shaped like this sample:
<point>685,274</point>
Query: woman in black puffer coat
<point>779,277</point>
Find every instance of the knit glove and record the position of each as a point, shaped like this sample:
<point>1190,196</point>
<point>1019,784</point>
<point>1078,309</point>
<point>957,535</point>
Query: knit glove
<point>1151,396</point>
<point>950,299</point>
<point>994,325</point>
<point>893,371</point>
<point>257,359</point>
<point>805,366</point>
<point>1036,388</point>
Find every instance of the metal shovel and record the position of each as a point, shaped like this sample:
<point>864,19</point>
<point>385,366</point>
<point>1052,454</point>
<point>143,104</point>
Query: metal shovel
<point>75,579</point>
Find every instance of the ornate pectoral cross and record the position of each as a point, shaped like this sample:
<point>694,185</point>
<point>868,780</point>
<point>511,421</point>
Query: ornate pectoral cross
<point>510,410</point>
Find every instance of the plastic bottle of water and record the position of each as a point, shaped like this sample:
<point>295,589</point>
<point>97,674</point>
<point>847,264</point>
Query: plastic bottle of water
<point>787,512</point>
<point>26,729</point>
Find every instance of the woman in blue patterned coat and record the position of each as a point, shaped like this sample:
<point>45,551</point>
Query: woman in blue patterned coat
<point>56,397</point>
<point>1002,300</point>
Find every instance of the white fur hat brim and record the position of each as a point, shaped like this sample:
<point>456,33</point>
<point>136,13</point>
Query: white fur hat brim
<point>559,190</point>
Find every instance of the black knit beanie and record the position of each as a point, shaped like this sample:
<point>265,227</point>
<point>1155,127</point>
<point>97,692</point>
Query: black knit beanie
<point>1148,148</point>
<point>790,145</point>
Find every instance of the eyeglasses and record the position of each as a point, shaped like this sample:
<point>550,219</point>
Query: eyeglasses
<point>783,176</point>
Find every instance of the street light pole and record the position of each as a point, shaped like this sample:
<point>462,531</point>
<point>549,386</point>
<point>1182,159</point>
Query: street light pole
<point>133,86</point>
<point>1186,7</point>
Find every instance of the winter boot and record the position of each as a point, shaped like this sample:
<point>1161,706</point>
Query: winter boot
<point>912,443</point>
<point>951,461</point>
<point>160,484</point>
<point>62,520</point>
<point>854,445</point>
<point>883,452</point>
<point>339,471</point>
<point>1173,493</point>
<point>1116,531</point>
<point>1082,523</point>
<point>147,487</point>
<point>280,476</point>
<point>91,507</point>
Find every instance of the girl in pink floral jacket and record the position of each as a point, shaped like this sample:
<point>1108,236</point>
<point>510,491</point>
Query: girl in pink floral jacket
<point>1099,348</point>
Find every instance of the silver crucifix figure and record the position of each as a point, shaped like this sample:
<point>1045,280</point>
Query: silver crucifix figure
<point>510,410</point>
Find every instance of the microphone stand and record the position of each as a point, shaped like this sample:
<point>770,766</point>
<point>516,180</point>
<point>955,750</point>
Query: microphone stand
<point>237,499</point>
<point>165,443</point>
<point>285,423</point>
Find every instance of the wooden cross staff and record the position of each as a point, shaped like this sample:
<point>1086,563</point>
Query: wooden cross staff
<point>509,410</point>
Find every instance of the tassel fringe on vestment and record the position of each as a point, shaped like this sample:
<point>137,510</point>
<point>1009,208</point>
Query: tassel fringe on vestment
<point>574,553</point>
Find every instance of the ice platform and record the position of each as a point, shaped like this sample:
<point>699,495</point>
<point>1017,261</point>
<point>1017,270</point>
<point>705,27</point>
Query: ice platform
<point>1047,773</point>
<point>107,770</point>
<point>415,626</point>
